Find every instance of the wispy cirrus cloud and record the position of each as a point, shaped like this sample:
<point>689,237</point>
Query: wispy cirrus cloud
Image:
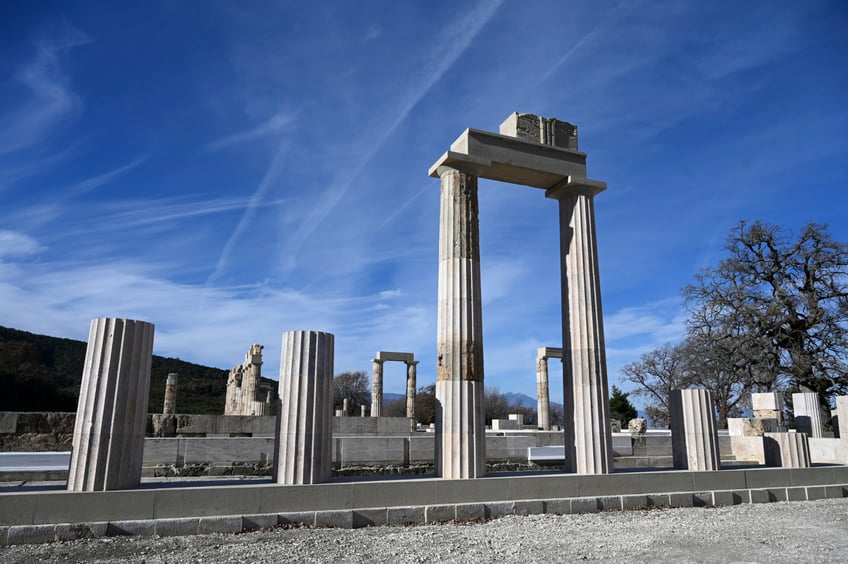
<point>49,99</point>
<point>448,46</point>
<point>275,124</point>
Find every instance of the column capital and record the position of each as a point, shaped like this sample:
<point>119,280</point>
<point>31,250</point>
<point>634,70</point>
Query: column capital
<point>574,185</point>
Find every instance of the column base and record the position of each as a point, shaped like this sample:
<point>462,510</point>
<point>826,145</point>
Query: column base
<point>460,429</point>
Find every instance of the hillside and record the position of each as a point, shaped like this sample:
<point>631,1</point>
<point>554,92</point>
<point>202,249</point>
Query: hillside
<point>42,373</point>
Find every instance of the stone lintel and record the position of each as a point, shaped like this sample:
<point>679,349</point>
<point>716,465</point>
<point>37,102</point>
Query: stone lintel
<point>510,159</point>
<point>574,185</point>
<point>383,356</point>
<point>549,352</point>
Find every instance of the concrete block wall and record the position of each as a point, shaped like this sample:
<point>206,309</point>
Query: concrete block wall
<point>59,515</point>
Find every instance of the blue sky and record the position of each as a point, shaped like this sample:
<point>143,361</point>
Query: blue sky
<point>233,170</point>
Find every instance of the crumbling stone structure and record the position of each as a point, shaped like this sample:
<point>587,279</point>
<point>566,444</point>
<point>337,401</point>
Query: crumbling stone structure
<point>243,390</point>
<point>532,151</point>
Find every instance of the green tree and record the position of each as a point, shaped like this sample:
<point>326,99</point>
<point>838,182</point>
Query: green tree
<point>620,406</point>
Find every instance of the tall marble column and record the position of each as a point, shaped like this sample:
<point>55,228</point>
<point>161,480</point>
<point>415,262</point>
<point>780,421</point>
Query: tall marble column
<point>410,388</point>
<point>112,410</point>
<point>304,418</point>
<point>543,399</point>
<point>376,388</point>
<point>169,406</point>
<point>841,429</point>
<point>460,422</point>
<point>694,440</point>
<point>808,415</point>
<point>588,436</point>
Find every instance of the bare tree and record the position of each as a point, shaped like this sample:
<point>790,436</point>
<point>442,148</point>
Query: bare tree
<point>656,374</point>
<point>354,387</point>
<point>776,309</point>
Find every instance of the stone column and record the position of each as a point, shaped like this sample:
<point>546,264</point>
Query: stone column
<point>588,436</point>
<point>304,418</point>
<point>344,407</point>
<point>808,416</point>
<point>169,407</point>
<point>376,388</point>
<point>786,450</point>
<point>112,410</point>
<point>410,388</point>
<point>841,426</point>
<point>543,399</point>
<point>460,424</point>
<point>694,440</point>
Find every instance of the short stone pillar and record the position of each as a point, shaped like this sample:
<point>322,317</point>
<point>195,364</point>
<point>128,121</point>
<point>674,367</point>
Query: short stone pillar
<point>787,450</point>
<point>108,443</point>
<point>460,423</point>
<point>411,378</point>
<point>376,387</point>
<point>304,424</point>
<point>808,415</point>
<point>694,440</point>
<point>344,407</point>
<point>169,407</point>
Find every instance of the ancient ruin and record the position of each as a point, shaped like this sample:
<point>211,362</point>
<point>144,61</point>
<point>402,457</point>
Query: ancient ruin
<point>304,432</point>
<point>542,153</point>
<point>543,397</point>
<point>244,394</point>
<point>377,381</point>
<point>112,409</point>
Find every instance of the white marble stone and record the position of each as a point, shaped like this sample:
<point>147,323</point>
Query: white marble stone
<point>744,427</point>
<point>842,418</point>
<point>694,439</point>
<point>304,419</point>
<point>588,435</point>
<point>786,450</point>
<point>766,400</point>
<point>108,444</point>
<point>460,423</point>
<point>808,415</point>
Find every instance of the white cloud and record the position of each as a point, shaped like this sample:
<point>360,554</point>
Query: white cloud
<point>16,244</point>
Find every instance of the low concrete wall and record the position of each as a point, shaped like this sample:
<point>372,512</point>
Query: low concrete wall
<point>60,515</point>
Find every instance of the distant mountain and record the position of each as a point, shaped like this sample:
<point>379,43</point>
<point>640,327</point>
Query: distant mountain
<point>524,400</point>
<point>42,373</point>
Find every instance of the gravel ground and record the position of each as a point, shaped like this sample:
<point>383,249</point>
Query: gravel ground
<point>808,531</point>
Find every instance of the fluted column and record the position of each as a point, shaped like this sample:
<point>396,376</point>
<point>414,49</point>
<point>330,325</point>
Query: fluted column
<point>694,440</point>
<point>588,437</point>
<point>808,415</point>
<point>543,399</point>
<point>460,423</point>
<point>841,425</point>
<point>376,388</point>
<point>410,388</point>
<point>169,406</point>
<point>786,450</point>
<point>111,416</point>
<point>304,423</point>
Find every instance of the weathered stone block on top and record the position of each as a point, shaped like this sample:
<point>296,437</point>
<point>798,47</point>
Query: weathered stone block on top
<point>547,131</point>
